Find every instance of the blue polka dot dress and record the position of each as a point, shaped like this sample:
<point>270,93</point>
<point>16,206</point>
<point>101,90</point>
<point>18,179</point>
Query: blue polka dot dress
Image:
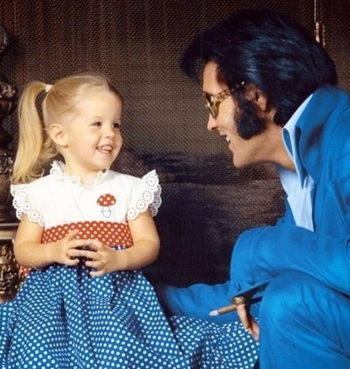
<point>64,318</point>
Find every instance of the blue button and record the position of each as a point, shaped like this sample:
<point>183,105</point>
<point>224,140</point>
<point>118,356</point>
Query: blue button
<point>237,286</point>
<point>250,281</point>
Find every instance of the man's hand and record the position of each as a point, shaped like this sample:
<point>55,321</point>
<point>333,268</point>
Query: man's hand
<point>248,321</point>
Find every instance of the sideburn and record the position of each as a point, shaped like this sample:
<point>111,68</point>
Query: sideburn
<point>247,120</point>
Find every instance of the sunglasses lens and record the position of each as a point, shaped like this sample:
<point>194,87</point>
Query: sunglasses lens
<point>212,111</point>
<point>210,106</point>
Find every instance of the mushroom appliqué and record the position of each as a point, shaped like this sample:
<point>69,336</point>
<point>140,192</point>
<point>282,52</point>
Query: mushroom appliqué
<point>106,201</point>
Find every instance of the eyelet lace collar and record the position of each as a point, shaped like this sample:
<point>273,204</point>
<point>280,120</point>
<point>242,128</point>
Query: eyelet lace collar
<point>57,170</point>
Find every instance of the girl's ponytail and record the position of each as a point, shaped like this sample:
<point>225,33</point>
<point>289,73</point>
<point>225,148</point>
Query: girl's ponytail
<point>34,150</point>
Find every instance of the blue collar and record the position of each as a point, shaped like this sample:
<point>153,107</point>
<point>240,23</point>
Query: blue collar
<point>289,132</point>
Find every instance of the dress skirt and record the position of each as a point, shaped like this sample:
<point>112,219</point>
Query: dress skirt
<point>63,318</point>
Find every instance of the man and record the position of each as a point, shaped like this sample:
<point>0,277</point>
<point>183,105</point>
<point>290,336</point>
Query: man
<point>270,91</point>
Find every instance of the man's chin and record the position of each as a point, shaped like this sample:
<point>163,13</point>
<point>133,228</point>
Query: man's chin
<point>235,162</point>
<point>239,164</point>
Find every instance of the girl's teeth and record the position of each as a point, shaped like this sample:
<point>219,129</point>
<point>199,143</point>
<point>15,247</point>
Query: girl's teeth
<point>104,148</point>
<point>227,140</point>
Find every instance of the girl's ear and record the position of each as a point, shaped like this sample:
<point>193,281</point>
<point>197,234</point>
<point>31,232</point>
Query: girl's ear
<point>58,135</point>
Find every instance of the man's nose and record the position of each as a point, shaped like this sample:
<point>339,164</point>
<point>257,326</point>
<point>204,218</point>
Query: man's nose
<point>211,125</point>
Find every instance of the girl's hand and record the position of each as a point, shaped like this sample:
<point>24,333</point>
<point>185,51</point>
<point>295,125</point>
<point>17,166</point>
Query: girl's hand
<point>248,321</point>
<point>100,257</point>
<point>63,250</point>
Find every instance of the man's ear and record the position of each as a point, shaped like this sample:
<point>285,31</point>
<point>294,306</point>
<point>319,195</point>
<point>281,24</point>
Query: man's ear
<point>58,135</point>
<point>257,97</point>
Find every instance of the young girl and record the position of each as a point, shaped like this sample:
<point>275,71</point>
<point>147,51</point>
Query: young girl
<point>85,231</point>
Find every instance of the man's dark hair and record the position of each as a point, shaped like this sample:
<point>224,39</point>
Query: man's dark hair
<point>268,49</point>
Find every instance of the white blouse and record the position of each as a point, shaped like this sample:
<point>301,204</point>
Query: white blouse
<point>58,199</point>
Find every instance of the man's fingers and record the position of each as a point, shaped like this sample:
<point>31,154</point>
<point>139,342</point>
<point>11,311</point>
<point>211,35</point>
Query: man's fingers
<point>255,330</point>
<point>248,322</point>
<point>243,316</point>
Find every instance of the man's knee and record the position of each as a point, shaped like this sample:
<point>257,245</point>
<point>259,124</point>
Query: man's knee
<point>289,297</point>
<point>304,321</point>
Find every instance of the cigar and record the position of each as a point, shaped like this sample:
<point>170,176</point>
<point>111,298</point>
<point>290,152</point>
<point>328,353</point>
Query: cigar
<point>239,300</point>
<point>223,310</point>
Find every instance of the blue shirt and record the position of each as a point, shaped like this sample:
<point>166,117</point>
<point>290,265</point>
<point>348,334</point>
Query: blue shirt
<point>297,184</point>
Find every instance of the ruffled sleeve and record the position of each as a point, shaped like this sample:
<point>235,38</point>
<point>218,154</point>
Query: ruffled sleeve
<point>24,204</point>
<point>147,194</point>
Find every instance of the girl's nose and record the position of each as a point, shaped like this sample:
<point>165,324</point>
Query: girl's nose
<point>109,132</point>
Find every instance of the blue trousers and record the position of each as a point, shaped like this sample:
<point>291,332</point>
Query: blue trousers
<point>303,323</point>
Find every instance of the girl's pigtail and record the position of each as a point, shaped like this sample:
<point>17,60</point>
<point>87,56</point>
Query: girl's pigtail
<point>28,164</point>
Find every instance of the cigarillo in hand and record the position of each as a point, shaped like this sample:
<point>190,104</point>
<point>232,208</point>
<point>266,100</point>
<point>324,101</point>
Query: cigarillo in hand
<point>239,300</point>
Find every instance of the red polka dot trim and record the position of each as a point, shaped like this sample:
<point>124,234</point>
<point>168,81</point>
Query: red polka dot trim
<point>109,233</point>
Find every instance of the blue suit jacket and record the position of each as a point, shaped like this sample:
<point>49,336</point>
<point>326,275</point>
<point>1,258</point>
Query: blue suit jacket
<point>323,144</point>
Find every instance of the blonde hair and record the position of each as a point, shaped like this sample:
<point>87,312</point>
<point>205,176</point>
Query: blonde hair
<point>35,147</point>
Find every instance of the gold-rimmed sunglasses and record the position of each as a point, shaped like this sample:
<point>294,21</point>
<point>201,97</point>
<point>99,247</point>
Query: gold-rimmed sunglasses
<point>212,102</point>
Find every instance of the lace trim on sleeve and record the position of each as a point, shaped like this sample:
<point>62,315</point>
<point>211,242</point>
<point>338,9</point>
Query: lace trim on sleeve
<point>22,204</point>
<point>149,196</point>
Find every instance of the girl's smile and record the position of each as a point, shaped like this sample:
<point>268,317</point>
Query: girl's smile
<point>92,138</point>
